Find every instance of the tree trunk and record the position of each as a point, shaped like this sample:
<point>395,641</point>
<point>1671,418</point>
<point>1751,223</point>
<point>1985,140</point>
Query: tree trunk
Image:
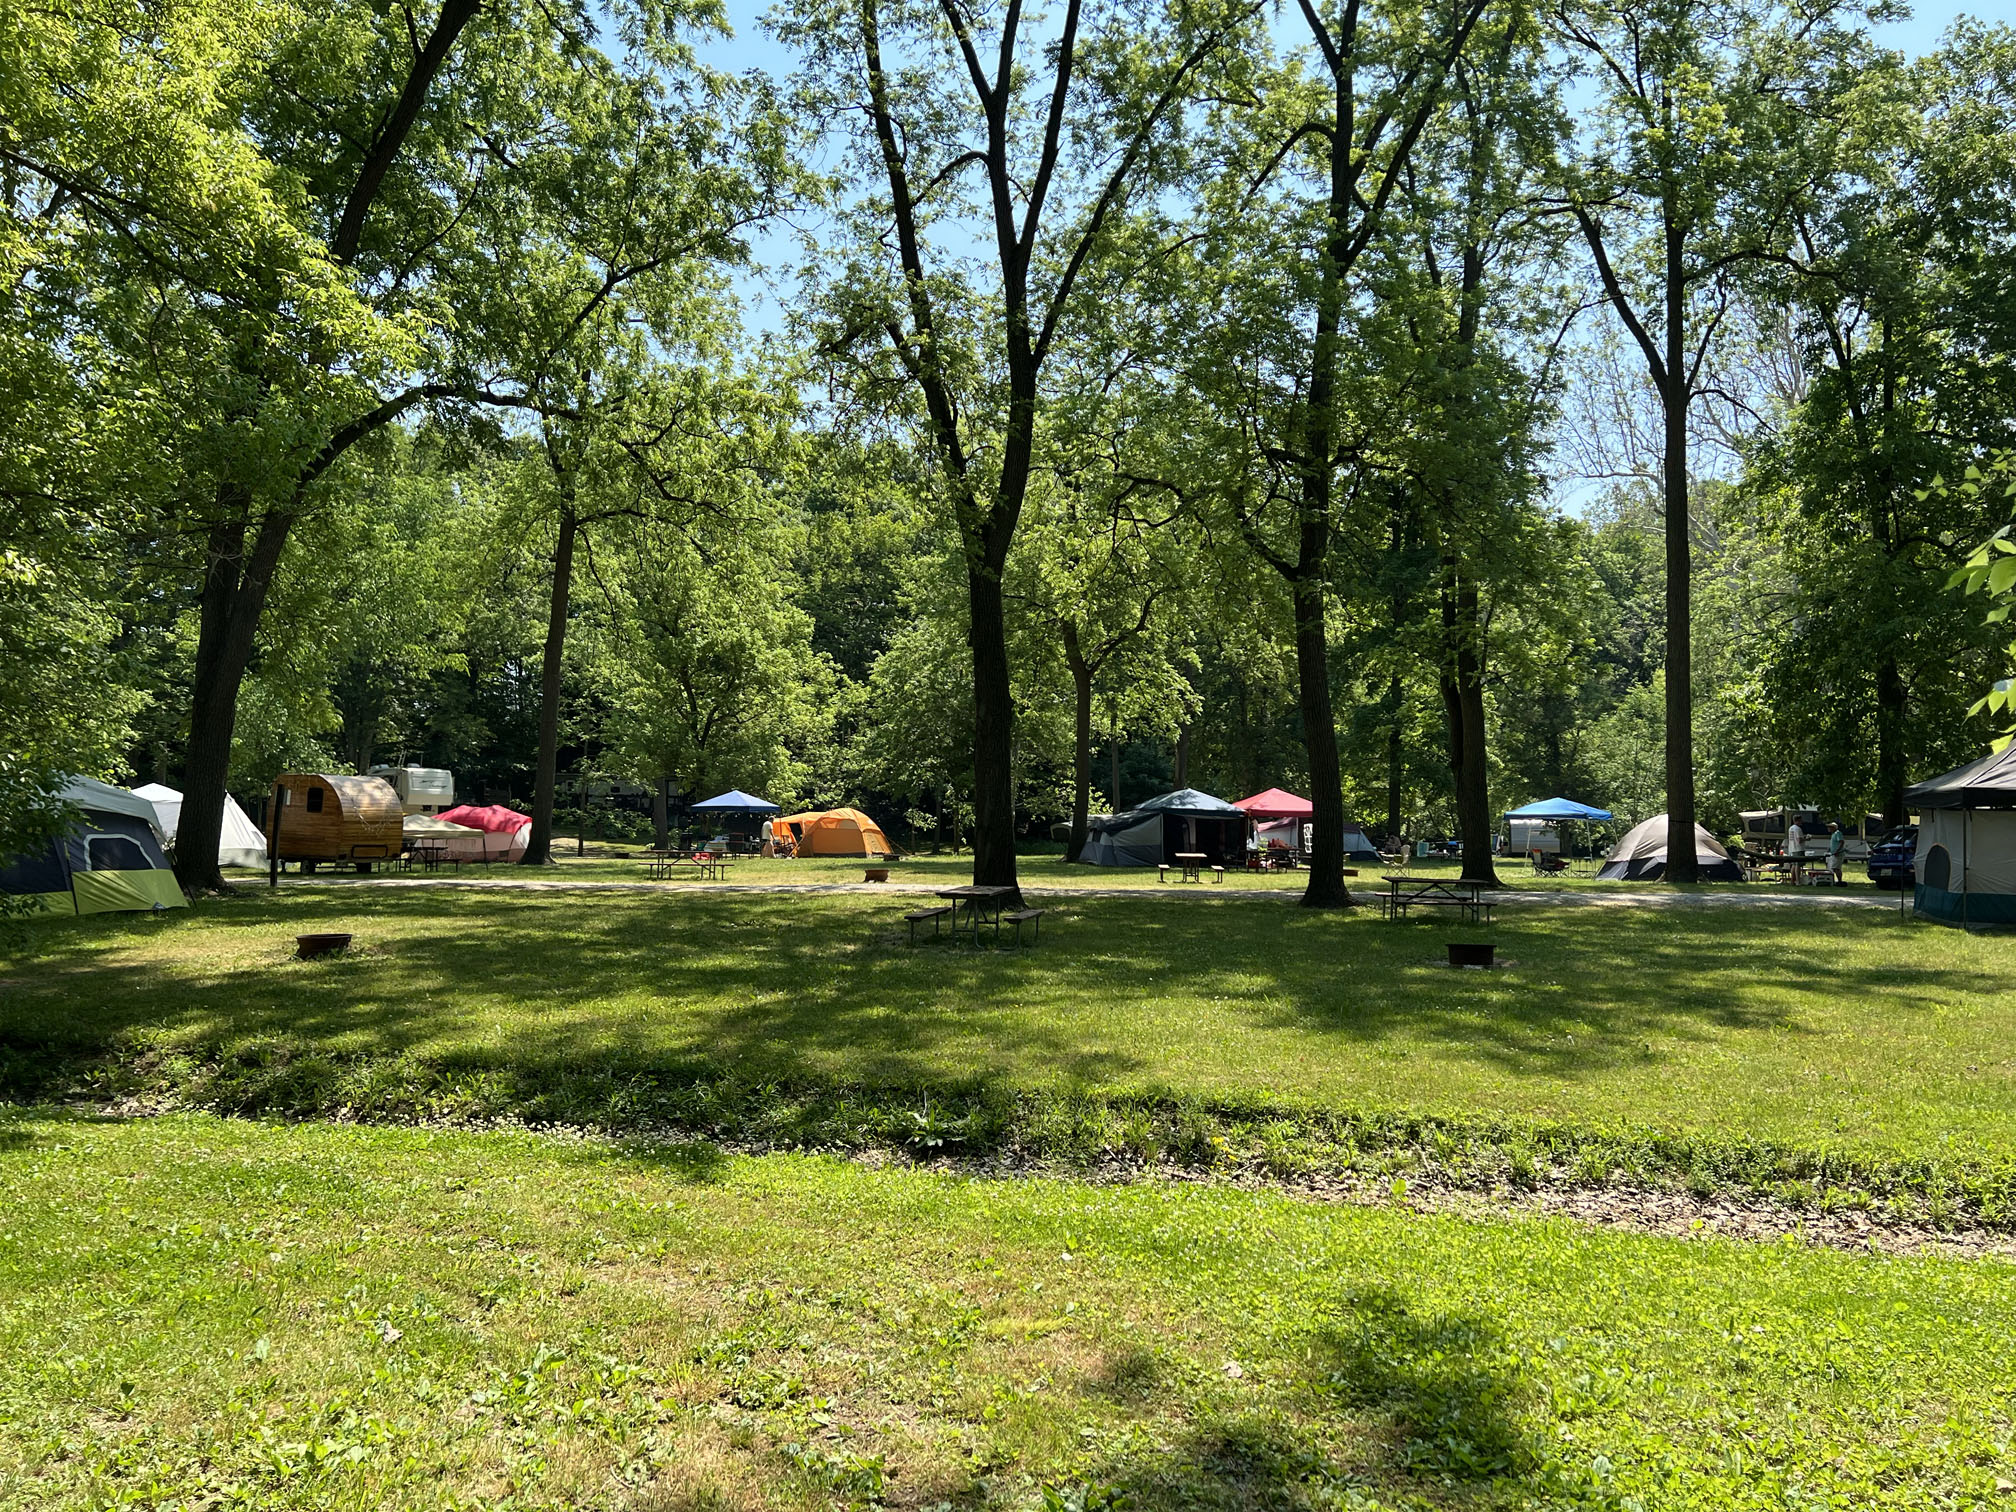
<point>1463,703</point>
<point>660,828</point>
<point>232,606</point>
<point>1892,775</point>
<point>1326,887</point>
<point>1680,858</point>
<point>1396,697</point>
<point>233,598</point>
<point>993,732</point>
<point>1081,750</point>
<point>1183,756</point>
<point>1114,751</point>
<point>539,845</point>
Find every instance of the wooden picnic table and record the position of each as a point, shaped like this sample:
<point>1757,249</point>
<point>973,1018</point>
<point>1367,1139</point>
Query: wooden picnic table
<point>1403,893</point>
<point>661,863</point>
<point>973,906</point>
<point>1192,863</point>
<point>1791,869</point>
<point>429,853</point>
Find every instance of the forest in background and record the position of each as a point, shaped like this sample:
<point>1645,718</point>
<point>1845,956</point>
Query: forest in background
<point>1166,393</point>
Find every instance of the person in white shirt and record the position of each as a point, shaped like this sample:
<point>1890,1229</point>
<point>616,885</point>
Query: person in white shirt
<point>1795,840</point>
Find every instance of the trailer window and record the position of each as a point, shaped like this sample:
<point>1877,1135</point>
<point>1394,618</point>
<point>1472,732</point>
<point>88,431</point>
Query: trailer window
<point>314,800</point>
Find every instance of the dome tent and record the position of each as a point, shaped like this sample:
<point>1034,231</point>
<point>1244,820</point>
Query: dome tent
<point>836,832</point>
<point>109,861</point>
<point>1156,832</point>
<point>239,842</point>
<point>1641,856</point>
<point>1966,860</point>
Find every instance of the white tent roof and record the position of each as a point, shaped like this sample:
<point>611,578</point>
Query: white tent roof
<point>1647,840</point>
<point>239,844</point>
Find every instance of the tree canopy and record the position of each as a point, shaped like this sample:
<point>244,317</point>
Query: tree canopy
<point>1423,405</point>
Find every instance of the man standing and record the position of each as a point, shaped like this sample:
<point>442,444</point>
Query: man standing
<point>1795,840</point>
<point>1837,845</point>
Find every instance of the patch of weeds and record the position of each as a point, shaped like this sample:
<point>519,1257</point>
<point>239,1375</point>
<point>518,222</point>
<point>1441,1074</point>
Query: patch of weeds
<point>1591,1167</point>
<point>1280,1149</point>
<point>856,1479</point>
<point>1139,1134</point>
<point>1797,1195</point>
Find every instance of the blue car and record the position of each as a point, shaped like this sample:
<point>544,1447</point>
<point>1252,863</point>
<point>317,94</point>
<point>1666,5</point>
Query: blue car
<point>1893,859</point>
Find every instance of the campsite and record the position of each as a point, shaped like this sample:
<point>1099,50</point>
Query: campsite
<point>1167,756</point>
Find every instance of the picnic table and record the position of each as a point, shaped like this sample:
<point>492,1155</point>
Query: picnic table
<point>428,853</point>
<point>661,863</point>
<point>1793,869</point>
<point>973,906</point>
<point>1192,863</point>
<point>1467,898</point>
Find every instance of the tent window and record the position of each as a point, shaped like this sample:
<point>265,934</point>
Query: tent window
<point>314,800</point>
<point>1938,869</point>
<point>115,853</point>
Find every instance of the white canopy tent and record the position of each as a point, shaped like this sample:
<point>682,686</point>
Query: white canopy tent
<point>239,843</point>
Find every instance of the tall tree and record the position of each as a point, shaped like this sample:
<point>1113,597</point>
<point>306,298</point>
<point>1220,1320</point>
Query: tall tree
<point>1687,169</point>
<point>1477,248</point>
<point>1029,140</point>
<point>1904,327</point>
<point>1316,160</point>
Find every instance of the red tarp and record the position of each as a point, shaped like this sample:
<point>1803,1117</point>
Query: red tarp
<point>496,818</point>
<point>1275,804</point>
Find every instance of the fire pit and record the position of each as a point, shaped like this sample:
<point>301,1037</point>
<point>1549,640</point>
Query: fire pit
<point>1461,954</point>
<point>307,947</point>
<point>877,874</point>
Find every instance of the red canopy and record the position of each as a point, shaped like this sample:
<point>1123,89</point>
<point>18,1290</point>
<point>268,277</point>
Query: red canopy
<point>496,818</point>
<point>1275,804</point>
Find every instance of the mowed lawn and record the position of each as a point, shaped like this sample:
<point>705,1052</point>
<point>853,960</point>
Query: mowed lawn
<point>204,1313</point>
<point>1845,1029</point>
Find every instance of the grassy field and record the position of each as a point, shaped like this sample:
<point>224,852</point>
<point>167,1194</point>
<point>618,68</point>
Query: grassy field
<point>1830,1030</point>
<point>200,1313</point>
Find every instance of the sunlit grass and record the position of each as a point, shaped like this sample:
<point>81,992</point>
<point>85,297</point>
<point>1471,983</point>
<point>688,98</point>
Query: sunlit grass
<point>199,1313</point>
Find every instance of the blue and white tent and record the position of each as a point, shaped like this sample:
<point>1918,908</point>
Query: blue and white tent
<point>1966,862</point>
<point>1158,831</point>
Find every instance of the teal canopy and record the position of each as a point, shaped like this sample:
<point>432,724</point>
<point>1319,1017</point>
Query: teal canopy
<point>735,801</point>
<point>1559,808</point>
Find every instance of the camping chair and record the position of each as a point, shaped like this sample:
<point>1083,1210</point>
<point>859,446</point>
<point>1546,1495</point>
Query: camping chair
<point>1545,865</point>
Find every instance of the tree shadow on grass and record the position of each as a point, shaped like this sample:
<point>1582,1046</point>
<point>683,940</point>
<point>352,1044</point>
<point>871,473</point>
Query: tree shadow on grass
<point>1390,1401</point>
<point>543,985</point>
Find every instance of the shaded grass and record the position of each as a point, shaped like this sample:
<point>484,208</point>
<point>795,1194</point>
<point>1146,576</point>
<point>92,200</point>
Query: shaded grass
<point>195,1312</point>
<point>1846,1049</point>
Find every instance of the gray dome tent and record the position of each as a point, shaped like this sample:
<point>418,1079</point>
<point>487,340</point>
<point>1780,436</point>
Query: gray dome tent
<point>108,861</point>
<point>1641,856</point>
<point>1157,831</point>
<point>1966,861</point>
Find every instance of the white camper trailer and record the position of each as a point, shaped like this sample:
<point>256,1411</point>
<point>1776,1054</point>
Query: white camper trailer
<point>421,790</point>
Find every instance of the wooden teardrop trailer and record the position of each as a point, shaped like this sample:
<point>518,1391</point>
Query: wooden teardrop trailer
<point>317,817</point>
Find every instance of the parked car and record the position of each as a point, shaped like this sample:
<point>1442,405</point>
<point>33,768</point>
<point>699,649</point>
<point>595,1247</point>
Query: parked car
<point>1893,859</point>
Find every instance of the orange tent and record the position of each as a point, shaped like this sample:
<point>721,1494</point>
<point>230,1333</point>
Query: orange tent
<point>837,832</point>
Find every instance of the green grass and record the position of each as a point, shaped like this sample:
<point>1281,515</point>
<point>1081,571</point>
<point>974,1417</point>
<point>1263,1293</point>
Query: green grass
<point>196,1313</point>
<point>1703,1040</point>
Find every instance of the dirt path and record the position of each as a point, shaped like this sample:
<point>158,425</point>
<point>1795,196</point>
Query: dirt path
<point>1648,897</point>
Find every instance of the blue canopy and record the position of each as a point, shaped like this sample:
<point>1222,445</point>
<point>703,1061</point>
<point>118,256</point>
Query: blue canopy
<point>735,801</point>
<point>1558,808</point>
